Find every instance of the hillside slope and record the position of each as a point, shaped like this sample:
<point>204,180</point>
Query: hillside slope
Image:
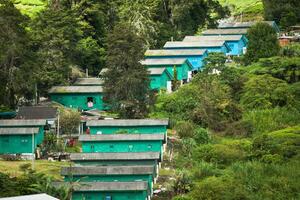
<point>245,10</point>
<point>29,7</point>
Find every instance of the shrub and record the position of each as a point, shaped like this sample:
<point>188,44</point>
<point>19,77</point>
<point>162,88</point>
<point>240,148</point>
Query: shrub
<point>264,91</point>
<point>272,119</point>
<point>10,157</point>
<point>201,136</point>
<point>239,128</point>
<point>185,129</point>
<point>204,169</point>
<point>219,153</point>
<point>69,121</point>
<point>277,146</point>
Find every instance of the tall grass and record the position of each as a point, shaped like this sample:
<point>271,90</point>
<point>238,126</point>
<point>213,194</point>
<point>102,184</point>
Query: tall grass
<point>272,119</point>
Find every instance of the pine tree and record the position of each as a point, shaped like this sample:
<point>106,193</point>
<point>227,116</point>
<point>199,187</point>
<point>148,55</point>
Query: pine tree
<point>126,84</point>
<point>263,43</point>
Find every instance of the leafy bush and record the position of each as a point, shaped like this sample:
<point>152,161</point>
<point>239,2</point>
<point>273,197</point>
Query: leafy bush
<point>185,129</point>
<point>251,180</point>
<point>239,128</point>
<point>284,68</point>
<point>219,153</point>
<point>10,157</point>
<point>292,50</point>
<point>69,121</point>
<point>192,102</point>
<point>201,136</point>
<point>263,42</point>
<point>51,144</point>
<point>204,169</point>
<point>277,146</point>
<point>264,91</point>
<point>272,119</point>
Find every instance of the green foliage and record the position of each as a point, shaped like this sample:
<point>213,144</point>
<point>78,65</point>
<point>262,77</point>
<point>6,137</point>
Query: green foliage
<point>30,182</point>
<point>263,42</point>
<point>175,82</point>
<point>181,183</point>
<point>250,180</point>
<point>292,50</point>
<point>264,92</point>
<point>272,119</point>
<point>220,154</point>
<point>51,144</point>
<point>192,102</point>
<point>15,56</point>
<point>214,61</point>
<point>239,128</point>
<point>246,10</point>
<point>277,146</point>
<point>201,136</point>
<point>285,68</point>
<point>4,109</point>
<point>69,121</point>
<point>126,82</point>
<point>286,13</point>
<point>185,129</point>
<point>30,7</point>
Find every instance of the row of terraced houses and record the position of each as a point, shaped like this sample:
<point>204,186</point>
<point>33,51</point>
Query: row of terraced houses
<point>121,158</point>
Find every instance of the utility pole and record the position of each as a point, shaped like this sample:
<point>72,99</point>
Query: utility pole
<point>35,94</point>
<point>87,72</point>
<point>58,124</point>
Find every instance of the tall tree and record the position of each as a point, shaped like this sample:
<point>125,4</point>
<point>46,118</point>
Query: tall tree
<point>139,13</point>
<point>263,43</point>
<point>56,33</point>
<point>126,84</point>
<point>15,71</point>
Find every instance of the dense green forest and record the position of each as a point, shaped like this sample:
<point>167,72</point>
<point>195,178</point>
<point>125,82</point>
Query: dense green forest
<point>234,134</point>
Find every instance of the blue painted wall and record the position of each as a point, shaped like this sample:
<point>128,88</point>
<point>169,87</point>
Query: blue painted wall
<point>236,47</point>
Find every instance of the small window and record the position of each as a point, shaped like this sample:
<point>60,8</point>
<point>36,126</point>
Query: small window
<point>90,99</point>
<point>90,102</point>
